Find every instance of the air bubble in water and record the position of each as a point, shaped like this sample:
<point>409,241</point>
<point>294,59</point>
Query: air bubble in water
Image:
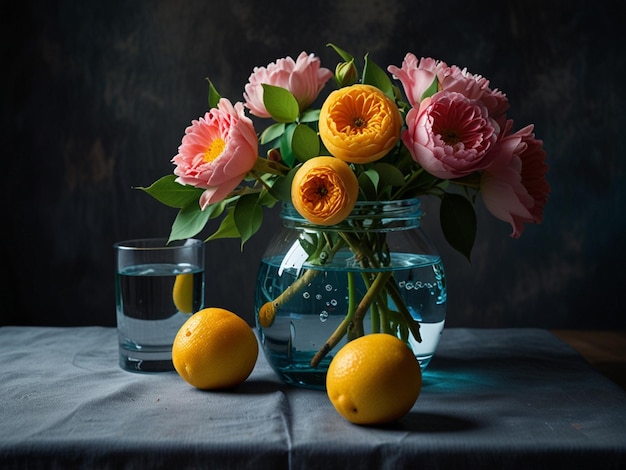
<point>306,295</point>
<point>333,302</point>
<point>328,287</point>
<point>323,316</point>
<point>318,296</point>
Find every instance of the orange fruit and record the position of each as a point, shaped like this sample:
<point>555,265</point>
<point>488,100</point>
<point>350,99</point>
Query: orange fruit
<point>215,349</point>
<point>374,379</point>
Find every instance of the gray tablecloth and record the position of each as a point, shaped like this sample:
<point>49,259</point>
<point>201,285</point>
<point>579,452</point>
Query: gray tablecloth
<point>506,398</point>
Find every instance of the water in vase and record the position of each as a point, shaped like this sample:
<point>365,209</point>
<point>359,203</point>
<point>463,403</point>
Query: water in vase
<point>303,324</point>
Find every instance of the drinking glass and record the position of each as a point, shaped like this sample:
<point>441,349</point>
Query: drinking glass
<point>158,285</point>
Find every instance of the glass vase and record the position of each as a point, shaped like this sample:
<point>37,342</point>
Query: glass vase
<point>321,286</point>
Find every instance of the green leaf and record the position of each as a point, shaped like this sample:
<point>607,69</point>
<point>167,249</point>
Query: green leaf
<point>373,175</point>
<point>267,198</point>
<point>309,241</point>
<point>248,216</point>
<point>375,76</point>
<point>305,143</point>
<point>189,222</point>
<point>458,223</point>
<point>285,145</point>
<point>431,90</point>
<point>343,54</point>
<point>281,189</point>
<point>214,96</point>
<point>367,186</point>
<point>389,174</point>
<point>423,181</point>
<point>280,103</point>
<point>272,132</point>
<point>310,115</point>
<point>227,228</point>
<point>167,191</point>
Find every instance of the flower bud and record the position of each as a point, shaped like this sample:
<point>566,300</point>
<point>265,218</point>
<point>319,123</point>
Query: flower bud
<point>346,74</point>
<point>274,155</point>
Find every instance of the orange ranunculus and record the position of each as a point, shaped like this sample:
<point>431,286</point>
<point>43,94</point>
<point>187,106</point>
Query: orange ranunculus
<point>359,123</point>
<point>324,190</point>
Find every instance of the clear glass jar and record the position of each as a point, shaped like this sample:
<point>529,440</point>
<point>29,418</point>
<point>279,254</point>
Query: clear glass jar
<point>320,286</point>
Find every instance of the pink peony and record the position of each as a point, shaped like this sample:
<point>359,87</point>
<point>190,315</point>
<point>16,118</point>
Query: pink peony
<point>515,189</point>
<point>451,136</point>
<point>417,76</point>
<point>476,88</point>
<point>217,151</point>
<point>304,78</point>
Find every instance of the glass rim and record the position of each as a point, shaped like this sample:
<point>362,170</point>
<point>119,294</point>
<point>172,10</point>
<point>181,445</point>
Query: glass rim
<point>156,243</point>
<point>388,214</point>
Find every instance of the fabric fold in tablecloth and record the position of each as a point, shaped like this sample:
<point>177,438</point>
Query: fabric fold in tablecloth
<point>490,397</point>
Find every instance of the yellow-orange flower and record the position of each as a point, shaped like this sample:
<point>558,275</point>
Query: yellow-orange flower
<point>324,190</point>
<point>359,123</point>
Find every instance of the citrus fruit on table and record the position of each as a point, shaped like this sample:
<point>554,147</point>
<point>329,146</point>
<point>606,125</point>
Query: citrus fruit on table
<point>214,349</point>
<point>374,379</point>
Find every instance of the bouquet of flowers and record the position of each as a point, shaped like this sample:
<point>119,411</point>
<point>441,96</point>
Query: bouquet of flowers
<point>443,132</point>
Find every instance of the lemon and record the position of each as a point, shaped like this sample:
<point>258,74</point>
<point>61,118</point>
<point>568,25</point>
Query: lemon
<point>215,349</point>
<point>182,294</point>
<point>374,379</point>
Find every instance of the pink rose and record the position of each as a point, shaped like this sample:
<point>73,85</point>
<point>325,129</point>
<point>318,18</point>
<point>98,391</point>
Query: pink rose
<point>304,78</point>
<point>451,136</point>
<point>515,189</point>
<point>217,151</point>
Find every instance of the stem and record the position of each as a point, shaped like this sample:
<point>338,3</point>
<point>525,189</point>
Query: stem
<point>267,312</point>
<point>371,294</point>
<point>402,188</point>
<point>385,316</point>
<point>263,165</point>
<point>350,322</point>
<point>258,179</point>
<point>413,325</point>
<point>351,293</point>
<point>332,341</point>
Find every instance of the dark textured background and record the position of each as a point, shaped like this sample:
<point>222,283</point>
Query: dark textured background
<point>96,96</point>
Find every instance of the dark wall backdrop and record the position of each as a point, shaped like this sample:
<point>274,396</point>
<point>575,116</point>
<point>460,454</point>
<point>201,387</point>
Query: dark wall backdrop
<point>96,96</point>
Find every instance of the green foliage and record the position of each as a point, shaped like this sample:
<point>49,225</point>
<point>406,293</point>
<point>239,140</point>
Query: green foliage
<point>375,76</point>
<point>458,223</point>
<point>214,96</point>
<point>227,228</point>
<point>343,54</point>
<point>272,133</point>
<point>292,138</point>
<point>280,103</point>
<point>167,191</point>
<point>389,174</point>
<point>248,216</point>
<point>431,90</point>
<point>305,143</point>
<point>286,150</point>
<point>310,115</point>
<point>189,222</point>
<point>281,188</point>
